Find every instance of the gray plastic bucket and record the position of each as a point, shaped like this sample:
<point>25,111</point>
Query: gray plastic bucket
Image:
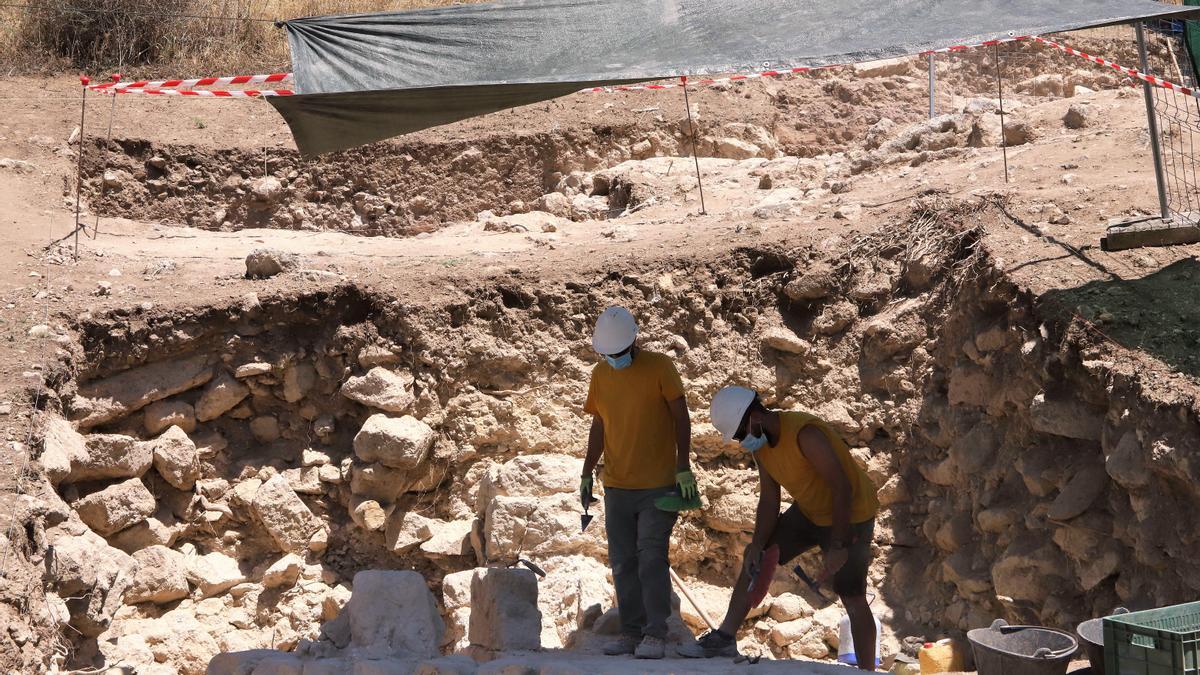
<point>1091,634</point>
<point>1021,650</point>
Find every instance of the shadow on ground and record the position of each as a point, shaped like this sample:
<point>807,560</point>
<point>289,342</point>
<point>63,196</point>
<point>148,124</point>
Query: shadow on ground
<point>1158,313</point>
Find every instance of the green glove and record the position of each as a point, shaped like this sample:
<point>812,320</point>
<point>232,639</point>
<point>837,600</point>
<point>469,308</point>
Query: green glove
<point>687,485</point>
<point>585,490</point>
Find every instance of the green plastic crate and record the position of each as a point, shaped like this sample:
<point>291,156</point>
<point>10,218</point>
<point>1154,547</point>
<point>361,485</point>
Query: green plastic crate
<point>1154,642</point>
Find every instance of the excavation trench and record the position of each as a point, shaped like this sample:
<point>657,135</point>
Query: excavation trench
<point>297,439</point>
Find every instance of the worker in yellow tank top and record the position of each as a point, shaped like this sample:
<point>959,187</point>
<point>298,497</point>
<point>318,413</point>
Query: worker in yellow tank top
<point>834,507</point>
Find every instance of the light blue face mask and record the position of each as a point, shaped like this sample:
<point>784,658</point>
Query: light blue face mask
<point>753,444</point>
<point>620,362</point>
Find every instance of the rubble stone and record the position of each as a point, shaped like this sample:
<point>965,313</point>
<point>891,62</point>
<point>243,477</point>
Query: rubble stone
<point>176,459</point>
<point>369,515</point>
<point>283,572</point>
<point>265,428</point>
<point>111,456</point>
<point>1079,493</point>
<point>161,576</point>
<point>407,530</point>
<point>400,443</point>
<point>285,515</point>
<point>86,567</point>
<point>163,414</point>
<point>1071,418</point>
<point>114,397</point>
<point>222,394</point>
<point>214,573</point>
<point>62,446</point>
<point>381,389</point>
<point>267,262</point>
<point>116,507</point>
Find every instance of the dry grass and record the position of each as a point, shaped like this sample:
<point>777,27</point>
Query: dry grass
<point>144,38</point>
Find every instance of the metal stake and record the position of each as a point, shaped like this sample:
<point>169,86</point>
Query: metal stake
<point>932,85</point>
<point>695,150</point>
<point>1000,90</point>
<point>83,80</point>
<point>1152,120</point>
<point>112,111</point>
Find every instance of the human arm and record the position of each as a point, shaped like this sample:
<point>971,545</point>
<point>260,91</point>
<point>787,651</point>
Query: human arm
<point>683,433</point>
<point>820,453</point>
<point>595,446</point>
<point>766,517</point>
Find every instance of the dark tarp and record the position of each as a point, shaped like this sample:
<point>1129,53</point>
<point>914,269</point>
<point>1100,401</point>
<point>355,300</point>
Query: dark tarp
<point>366,77</point>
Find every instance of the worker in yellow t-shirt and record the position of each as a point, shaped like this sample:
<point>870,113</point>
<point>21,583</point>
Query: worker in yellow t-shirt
<point>640,424</point>
<point>833,507</point>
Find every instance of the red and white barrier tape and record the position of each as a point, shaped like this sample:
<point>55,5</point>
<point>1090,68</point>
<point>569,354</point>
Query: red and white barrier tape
<point>197,82</point>
<point>1132,72</point>
<point>205,93</point>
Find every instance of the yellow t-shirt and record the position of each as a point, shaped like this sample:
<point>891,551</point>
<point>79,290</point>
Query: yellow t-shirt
<point>790,468</point>
<point>639,432</point>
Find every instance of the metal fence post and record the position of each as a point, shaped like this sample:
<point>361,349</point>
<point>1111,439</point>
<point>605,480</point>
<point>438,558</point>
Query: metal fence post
<point>932,85</point>
<point>1152,119</point>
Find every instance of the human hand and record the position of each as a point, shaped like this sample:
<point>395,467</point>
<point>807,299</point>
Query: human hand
<point>835,559</point>
<point>751,559</point>
<point>687,484</point>
<point>585,490</point>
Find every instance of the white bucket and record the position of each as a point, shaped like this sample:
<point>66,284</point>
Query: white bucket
<point>846,642</point>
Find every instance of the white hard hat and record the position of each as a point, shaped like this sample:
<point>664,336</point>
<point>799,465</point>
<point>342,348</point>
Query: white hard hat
<point>728,408</point>
<point>615,330</point>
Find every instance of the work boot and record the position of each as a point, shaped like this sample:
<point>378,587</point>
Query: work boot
<point>626,644</point>
<point>651,648</point>
<point>711,644</point>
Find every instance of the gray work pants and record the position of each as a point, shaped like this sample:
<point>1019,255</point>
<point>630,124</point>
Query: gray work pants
<point>638,538</point>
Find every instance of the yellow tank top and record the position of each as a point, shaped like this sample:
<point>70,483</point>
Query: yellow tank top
<point>791,469</point>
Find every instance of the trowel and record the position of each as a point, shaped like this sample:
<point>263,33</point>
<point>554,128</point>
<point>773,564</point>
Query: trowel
<point>584,518</point>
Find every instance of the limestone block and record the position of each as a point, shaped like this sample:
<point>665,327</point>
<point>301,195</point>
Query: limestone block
<point>221,395</point>
<point>392,613</point>
<point>161,576</point>
<point>163,414</point>
<point>87,567</point>
<point>298,380</point>
<point>1079,493</point>
<point>1067,417</point>
<point>283,572</point>
<point>401,443</point>
<point>111,456</point>
<point>62,446</point>
<point>381,389</point>
<point>214,573</point>
<point>114,397</point>
<point>504,609</point>
<point>116,507</point>
<point>176,459</point>
<point>285,515</point>
<point>407,530</point>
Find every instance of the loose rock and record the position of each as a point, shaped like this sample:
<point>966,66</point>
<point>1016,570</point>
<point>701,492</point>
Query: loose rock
<point>161,576</point>
<point>401,443</point>
<point>116,507</point>
<point>381,389</point>
<point>266,262</point>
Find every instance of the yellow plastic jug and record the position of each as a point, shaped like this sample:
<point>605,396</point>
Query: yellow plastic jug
<point>940,657</point>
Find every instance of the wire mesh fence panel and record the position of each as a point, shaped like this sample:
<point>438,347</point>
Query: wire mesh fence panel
<point>1177,114</point>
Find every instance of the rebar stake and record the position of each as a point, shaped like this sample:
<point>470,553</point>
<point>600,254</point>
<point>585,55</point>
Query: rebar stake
<point>1000,90</point>
<point>695,149</point>
<point>84,80</point>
